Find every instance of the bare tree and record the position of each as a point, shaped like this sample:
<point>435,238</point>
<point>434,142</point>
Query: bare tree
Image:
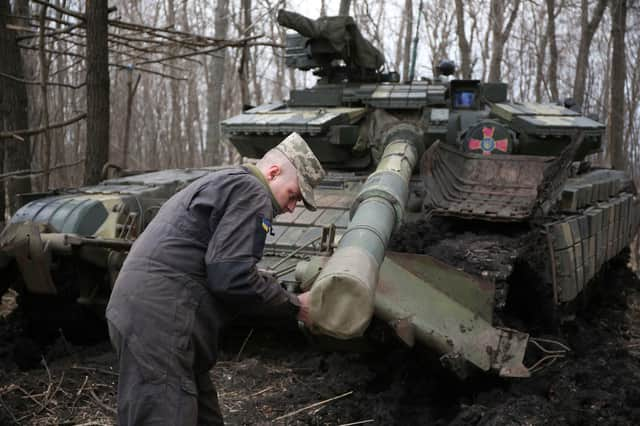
<point>552,69</point>
<point>463,43</point>
<point>618,10</point>
<point>44,77</point>
<point>244,61</point>
<point>500,33</point>
<point>13,113</point>
<point>97,154</point>
<point>344,7</point>
<point>588,28</point>
<point>408,36</point>
<point>216,81</point>
<point>399,42</point>
<point>131,91</point>
<point>540,49</point>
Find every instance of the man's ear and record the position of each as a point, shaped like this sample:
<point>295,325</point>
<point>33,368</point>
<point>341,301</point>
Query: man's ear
<point>273,171</point>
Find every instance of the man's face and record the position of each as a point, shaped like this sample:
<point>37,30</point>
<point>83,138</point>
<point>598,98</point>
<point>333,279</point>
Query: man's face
<point>285,188</point>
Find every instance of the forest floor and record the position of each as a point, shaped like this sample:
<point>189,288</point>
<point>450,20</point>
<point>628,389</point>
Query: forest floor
<point>268,376</point>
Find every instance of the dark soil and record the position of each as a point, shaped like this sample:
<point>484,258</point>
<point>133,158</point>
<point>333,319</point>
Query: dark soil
<point>278,377</point>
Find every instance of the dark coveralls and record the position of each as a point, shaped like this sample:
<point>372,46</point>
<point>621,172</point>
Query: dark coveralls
<point>191,271</point>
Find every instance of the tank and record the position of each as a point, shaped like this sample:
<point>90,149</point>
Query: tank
<point>451,217</point>
<point>461,220</point>
<point>62,250</point>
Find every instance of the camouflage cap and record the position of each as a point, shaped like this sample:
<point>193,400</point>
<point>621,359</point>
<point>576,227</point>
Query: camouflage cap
<point>309,169</point>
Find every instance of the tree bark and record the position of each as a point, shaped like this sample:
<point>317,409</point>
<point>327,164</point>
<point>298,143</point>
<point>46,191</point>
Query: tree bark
<point>500,33</point>
<point>399,43</point>
<point>408,36</point>
<point>131,91</point>
<point>463,42</point>
<point>344,7</point>
<point>216,78</point>
<point>13,114</point>
<point>552,69</point>
<point>618,10</point>
<point>541,49</point>
<point>243,69</point>
<point>44,77</point>
<point>97,91</point>
<point>587,31</point>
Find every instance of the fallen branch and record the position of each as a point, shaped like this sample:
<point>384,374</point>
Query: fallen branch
<point>65,11</point>
<point>97,370</point>
<point>161,74</point>
<point>50,395</point>
<point>102,404</point>
<point>62,10</point>
<point>230,43</point>
<point>155,30</point>
<point>8,410</point>
<point>65,30</point>
<point>49,83</point>
<point>308,407</point>
<point>244,343</point>
<point>262,391</point>
<point>29,173</point>
<point>30,132</point>
<point>361,422</point>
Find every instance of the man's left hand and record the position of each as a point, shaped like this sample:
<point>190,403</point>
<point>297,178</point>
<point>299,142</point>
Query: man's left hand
<point>303,314</point>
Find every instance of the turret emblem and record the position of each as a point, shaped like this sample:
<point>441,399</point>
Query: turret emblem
<point>487,144</point>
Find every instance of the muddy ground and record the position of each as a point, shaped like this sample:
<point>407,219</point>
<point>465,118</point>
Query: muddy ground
<point>275,376</point>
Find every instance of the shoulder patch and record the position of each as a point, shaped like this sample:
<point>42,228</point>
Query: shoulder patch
<point>266,225</point>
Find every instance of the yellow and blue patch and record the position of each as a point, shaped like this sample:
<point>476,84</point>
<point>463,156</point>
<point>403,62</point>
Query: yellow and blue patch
<point>266,225</point>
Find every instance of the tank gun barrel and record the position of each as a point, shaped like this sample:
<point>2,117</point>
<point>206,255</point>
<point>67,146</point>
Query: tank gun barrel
<point>342,297</point>
<point>419,297</point>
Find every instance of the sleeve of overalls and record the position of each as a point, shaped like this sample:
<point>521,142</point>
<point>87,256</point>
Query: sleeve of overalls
<point>236,247</point>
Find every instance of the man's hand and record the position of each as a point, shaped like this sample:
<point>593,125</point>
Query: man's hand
<point>303,314</point>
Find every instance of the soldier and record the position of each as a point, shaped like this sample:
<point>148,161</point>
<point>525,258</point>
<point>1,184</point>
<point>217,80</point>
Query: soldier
<point>190,272</point>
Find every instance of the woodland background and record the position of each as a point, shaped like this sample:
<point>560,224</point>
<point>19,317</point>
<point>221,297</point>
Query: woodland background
<point>143,84</point>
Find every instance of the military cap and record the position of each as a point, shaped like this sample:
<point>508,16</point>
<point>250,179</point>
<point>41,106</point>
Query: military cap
<point>309,169</point>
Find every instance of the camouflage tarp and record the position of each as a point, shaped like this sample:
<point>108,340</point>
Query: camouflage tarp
<point>341,32</point>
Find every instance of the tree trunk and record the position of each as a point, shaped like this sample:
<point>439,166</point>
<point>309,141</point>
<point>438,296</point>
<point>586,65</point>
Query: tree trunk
<point>344,7</point>
<point>587,30</point>
<point>176,143</point>
<point>618,11</point>
<point>541,48</point>
<point>552,70</point>
<point>13,114</point>
<point>44,77</point>
<point>131,92</point>
<point>463,42</point>
<point>408,35</point>
<point>191,102</point>
<point>399,43</point>
<point>216,78</point>
<point>244,60</point>
<point>97,154</point>
<point>500,34</point>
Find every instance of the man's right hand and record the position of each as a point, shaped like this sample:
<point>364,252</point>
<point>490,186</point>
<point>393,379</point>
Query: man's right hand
<point>303,314</point>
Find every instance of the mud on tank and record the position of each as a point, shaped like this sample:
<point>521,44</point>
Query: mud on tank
<point>450,213</point>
